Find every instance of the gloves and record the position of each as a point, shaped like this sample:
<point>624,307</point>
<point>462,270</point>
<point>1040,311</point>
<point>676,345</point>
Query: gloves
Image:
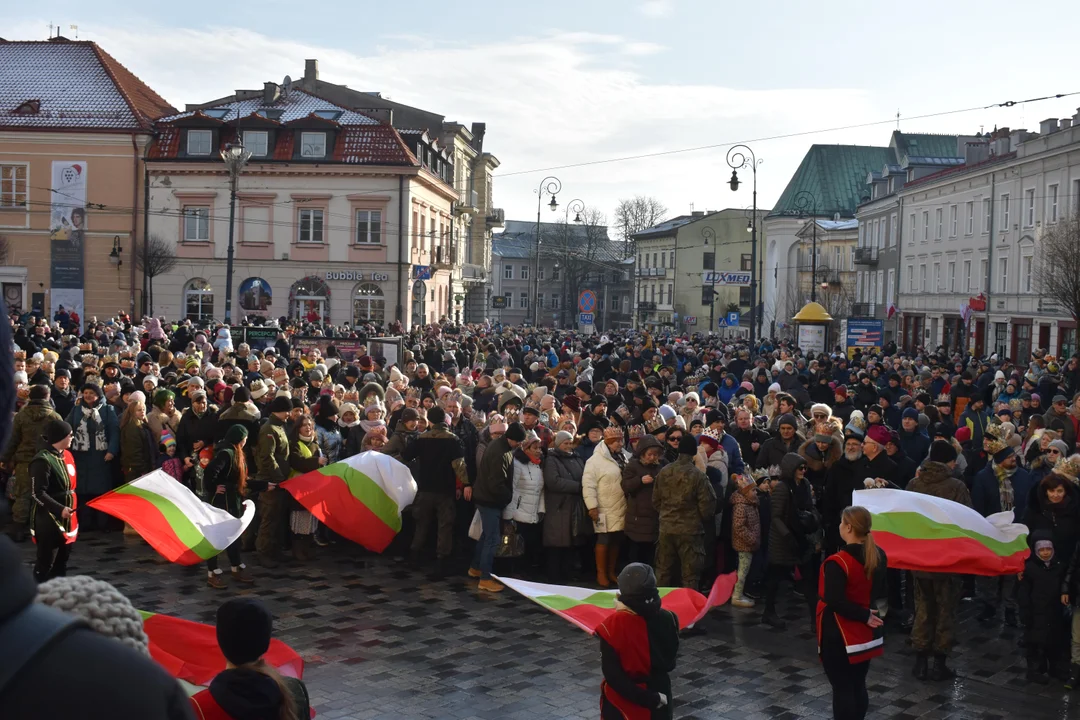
<point>662,698</point>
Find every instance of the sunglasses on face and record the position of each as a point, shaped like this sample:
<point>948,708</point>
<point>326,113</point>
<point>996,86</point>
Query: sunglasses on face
<point>1054,451</point>
<point>675,439</point>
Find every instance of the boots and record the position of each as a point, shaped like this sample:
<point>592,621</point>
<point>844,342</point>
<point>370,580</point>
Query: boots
<point>215,581</point>
<point>303,548</point>
<point>921,670</point>
<point>1074,678</point>
<point>940,671</point>
<point>987,614</point>
<point>1035,672</point>
<point>602,566</point>
<point>1011,617</point>
<point>612,561</point>
<point>773,620</point>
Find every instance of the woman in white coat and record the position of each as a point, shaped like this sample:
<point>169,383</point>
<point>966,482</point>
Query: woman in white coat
<point>526,506</point>
<point>601,486</point>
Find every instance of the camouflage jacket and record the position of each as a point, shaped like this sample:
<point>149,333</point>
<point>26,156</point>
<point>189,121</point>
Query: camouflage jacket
<point>683,498</point>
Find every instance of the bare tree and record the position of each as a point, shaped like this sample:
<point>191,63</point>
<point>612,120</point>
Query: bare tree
<point>634,215</point>
<point>157,257</point>
<point>1057,276</point>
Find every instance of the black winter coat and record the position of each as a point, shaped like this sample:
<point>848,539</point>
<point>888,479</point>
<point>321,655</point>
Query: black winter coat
<point>1061,520</point>
<point>85,664</point>
<point>1040,600</point>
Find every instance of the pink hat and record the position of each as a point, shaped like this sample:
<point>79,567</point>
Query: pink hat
<point>747,386</point>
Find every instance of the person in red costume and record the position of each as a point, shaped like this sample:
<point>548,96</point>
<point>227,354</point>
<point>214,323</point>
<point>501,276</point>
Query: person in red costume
<point>638,646</point>
<point>848,628</point>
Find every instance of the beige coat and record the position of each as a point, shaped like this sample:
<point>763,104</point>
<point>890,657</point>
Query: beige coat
<point>601,486</point>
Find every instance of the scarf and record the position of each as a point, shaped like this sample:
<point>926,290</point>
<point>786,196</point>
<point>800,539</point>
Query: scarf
<point>344,424</point>
<point>369,425</point>
<point>1005,486</point>
<point>90,426</point>
<point>307,438</point>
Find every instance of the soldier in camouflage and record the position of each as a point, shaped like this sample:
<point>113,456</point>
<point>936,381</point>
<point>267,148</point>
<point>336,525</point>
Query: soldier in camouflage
<point>936,594</point>
<point>684,499</point>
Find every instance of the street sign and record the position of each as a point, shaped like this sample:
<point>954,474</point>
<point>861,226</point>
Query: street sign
<point>421,272</point>
<point>586,302</point>
<point>691,320</point>
<point>725,277</point>
<point>585,318</point>
<point>729,320</point>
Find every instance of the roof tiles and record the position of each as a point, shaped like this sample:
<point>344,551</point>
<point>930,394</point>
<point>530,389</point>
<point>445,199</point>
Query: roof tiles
<point>79,86</point>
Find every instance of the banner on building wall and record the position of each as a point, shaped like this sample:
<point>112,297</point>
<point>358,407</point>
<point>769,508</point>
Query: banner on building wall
<point>67,236</point>
<point>865,335</point>
<point>256,297</point>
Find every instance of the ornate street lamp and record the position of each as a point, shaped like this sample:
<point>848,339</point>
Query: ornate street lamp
<point>235,156</point>
<point>552,186</point>
<point>738,157</point>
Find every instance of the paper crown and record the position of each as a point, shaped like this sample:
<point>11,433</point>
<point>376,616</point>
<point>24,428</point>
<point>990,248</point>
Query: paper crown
<point>613,432</point>
<point>412,392</point>
<point>656,422</point>
<point>637,431</point>
<point>1069,468</point>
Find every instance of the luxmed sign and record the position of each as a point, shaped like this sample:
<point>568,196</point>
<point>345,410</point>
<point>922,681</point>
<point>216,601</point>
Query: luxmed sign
<point>723,277</point>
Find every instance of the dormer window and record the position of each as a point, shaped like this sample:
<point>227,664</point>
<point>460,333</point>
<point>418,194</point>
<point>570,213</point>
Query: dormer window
<point>328,114</point>
<point>312,144</point>
<point>30,107</point>
<point>199,142</point>
<point>257,142</point>
<point>217,113</point>
<point>270,113</point>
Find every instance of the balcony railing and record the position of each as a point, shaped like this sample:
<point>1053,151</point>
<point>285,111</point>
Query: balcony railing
<point>866,256</point>
<point>650,272</point>
<point>861,309</point>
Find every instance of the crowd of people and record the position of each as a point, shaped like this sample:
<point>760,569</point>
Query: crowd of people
<point>567,457</point>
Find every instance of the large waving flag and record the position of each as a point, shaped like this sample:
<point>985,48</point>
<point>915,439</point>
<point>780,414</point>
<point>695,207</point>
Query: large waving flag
<point>189,651</point>
<point>588,608</point>
<point>172,519</point>
<point>360,497</point>
<point>931,534</point>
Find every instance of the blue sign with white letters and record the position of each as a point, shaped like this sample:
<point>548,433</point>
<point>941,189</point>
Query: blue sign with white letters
<point>585,318</point>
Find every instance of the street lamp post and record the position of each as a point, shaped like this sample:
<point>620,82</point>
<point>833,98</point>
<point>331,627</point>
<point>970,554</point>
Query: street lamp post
<point>804,200</point>
<point>738,157</point>
<point>552,186</point>
<point>577,207</point>
<point>235,157</point>
<point>709,234</point>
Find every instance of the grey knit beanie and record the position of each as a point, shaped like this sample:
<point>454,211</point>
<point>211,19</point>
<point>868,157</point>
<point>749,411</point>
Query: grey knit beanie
<point>101,605</point>
<point>561,437</point>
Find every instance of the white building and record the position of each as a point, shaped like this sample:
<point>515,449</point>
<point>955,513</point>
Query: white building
<point>337,217</point>
<point>975,229</point>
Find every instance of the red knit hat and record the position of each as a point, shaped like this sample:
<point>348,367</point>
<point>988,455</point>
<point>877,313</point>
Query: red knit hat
<point>878,434</point>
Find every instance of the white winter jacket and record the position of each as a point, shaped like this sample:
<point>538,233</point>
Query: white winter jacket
<point>601,486</point>
<point>527,503</point>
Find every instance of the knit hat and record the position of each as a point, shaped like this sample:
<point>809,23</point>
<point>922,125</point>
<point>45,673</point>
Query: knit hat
<point>436,415</point>
<point>244,627</point>
<point>55,431</point>
<point>788,419</point>
<point>942,451</point>
<point>281,404</point>
<point>840,392</point>
<point>878,434</point>
<point>667,412</point>
<point>100,605</point>
<point>856,425</point>
<point>1060,446</point>
<point>561,437</point>
<point>688,444</point>
<point>911,413</point>
<point>774,388</point>
<point>168,440</point>
<point>637,589</point>
<point>235,434</point>
<point>818,408</point>
<point>258,389</point>
<point>408,414</point>
<point>515,432</point>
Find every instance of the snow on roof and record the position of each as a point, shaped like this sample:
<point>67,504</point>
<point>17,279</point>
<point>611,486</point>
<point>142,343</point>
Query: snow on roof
<point>76,85</point>
<point>295,106</point>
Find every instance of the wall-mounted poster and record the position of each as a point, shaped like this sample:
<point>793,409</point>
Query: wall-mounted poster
<point>67,236</point>
<point>256,296</point>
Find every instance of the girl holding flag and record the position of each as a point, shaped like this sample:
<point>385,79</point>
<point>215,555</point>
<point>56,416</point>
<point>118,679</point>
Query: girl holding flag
<point>848,629</point>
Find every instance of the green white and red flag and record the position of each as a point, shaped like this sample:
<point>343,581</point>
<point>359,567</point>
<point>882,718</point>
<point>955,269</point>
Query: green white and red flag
<point>360,497</point>
<point>932,534</point>
<point>189,651</point>
<point>588,608</point>
<point>172,519</point>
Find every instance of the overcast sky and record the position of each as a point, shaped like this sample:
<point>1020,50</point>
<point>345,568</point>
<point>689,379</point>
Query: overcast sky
<point>560,83</point>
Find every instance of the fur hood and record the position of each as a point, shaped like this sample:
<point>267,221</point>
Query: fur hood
<point>814,461</point>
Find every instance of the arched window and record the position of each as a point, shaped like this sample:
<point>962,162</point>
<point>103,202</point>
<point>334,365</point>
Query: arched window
<point>198,300</point>
<point>369,305</point>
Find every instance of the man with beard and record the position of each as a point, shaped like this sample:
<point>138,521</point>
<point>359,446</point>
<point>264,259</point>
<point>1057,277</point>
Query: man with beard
<point>821,451</point>
<point>63,398</point>
<point>878,464</point>
<point>750,438</point>
<point>844,477</point>
<point>905,466</point>
<point>912,438</point>
<point>595,416</point>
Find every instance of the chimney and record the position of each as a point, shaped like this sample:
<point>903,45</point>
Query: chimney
<point>383,115</point>
<point>271,93</point>
<point>311,70</point>
<point>1017,137</point>
<point>1076,117</point>
<point>976,152</point>
<point>1050,125</point>
<point>697,213</point>
<point>1066,123</point>
<point>478,131</point>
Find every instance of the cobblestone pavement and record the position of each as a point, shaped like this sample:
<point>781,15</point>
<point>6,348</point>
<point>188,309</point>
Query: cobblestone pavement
<point>383,642</point>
